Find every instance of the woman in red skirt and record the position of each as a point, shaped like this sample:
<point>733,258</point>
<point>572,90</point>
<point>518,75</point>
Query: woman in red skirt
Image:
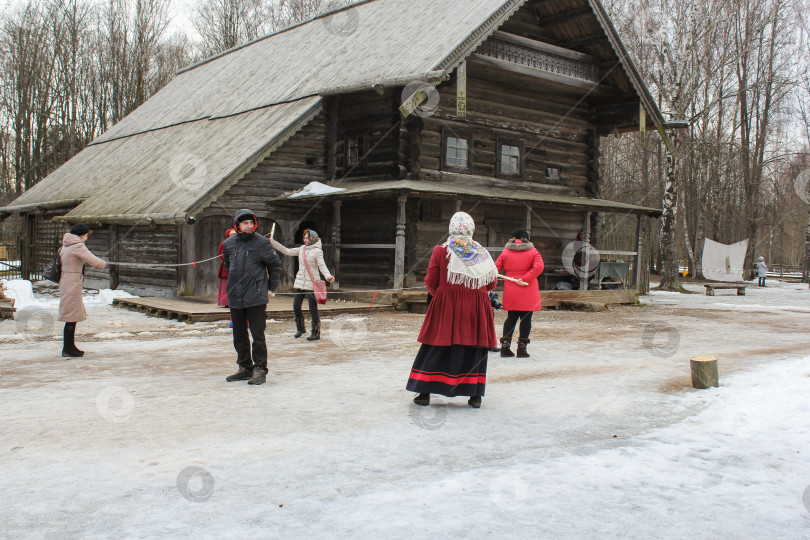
<point>222,297</point>
<point>459,328</point>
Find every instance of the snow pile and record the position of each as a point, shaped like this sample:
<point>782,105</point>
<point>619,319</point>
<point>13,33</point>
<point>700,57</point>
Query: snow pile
<point>22,292</point>
<point>106,296</point>
<point>315,188</point>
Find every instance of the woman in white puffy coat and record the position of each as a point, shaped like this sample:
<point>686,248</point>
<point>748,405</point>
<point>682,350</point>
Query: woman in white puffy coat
<point>310,254</point>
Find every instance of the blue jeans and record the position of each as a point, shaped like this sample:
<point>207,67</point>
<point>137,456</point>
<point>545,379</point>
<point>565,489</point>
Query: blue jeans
<point>762,281</point>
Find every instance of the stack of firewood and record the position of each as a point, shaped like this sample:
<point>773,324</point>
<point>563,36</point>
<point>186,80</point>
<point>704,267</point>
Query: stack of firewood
<point>6,304</point>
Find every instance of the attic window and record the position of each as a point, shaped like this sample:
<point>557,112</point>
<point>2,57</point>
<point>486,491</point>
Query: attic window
<point>510,157</point>
<point>553,173</point>
<point>456,151</point>
<point>356,148</point>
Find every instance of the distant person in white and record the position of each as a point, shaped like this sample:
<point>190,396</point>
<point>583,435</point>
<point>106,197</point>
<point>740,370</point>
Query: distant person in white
<point>762,269</point>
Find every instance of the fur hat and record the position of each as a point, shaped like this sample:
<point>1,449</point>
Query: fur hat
<point>80,229</point>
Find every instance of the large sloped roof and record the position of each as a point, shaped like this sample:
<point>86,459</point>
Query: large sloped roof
<point>218,118</point>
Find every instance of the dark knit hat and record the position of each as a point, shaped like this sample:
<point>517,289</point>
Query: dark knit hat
<point>520,234</point>
<point>80,229</point>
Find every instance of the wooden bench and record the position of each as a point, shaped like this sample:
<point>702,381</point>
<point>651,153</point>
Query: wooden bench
<point>711,287</point>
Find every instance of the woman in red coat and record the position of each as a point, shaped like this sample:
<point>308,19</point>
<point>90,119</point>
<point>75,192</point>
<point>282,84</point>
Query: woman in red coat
<point>222,297</point>
<point>519,260</point>
<point>459,328</point>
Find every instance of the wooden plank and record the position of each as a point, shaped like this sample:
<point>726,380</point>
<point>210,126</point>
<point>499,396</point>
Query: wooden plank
<point>196,308</point>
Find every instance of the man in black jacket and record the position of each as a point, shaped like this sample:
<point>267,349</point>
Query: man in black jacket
<point>254,270</point>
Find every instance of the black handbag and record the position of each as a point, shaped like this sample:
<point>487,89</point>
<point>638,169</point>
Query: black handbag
<point>53,272</point>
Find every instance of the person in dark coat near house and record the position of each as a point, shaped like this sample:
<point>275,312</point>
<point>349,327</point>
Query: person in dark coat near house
<point>459,327</point>
<point>222,274</point>
<point>254,270</point>
<point>74,255</point>
<point>519,260</point>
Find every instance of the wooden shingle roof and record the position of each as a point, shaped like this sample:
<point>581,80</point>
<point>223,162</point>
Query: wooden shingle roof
<point>216,119</point>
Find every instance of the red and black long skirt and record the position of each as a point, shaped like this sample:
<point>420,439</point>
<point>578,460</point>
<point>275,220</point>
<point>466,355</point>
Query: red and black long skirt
<point>455,370</point>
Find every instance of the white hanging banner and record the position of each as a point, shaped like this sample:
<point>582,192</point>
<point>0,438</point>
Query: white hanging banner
<point>722,262</point>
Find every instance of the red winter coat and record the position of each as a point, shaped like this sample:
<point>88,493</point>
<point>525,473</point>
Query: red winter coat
<point>456,315</point>
<point>521,261</point>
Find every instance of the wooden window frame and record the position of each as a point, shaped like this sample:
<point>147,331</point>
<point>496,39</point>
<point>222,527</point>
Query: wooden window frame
<point>553,167</point>
<point>362,162</point>
<point>457,134</point>
<point>500,142</point>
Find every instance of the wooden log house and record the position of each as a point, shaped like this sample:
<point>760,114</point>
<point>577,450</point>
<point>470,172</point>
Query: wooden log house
<point>496,108</point>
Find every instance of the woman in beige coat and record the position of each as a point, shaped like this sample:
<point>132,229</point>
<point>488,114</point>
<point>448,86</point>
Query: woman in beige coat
<point>303,284</point>
<point>74,254</point>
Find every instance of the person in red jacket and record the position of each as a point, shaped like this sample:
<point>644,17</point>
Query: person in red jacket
<point>459,328</point>
<point>222,297</point>
<point>519,260</point>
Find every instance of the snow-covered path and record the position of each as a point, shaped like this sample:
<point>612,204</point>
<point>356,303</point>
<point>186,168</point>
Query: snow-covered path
<point>599,434</point>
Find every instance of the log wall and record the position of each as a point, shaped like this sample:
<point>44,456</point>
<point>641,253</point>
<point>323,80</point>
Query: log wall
<point>148,245</point>
<point>556,132</point>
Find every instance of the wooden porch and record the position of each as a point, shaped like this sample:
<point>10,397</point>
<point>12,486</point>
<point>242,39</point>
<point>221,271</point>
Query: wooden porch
<point>193,309</point>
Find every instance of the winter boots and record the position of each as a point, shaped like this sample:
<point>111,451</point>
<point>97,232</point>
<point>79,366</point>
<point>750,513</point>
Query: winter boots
<point>69,349</point>
<point>242,375</point>
<point>506,352</point>
<point>300,329</point>
<point>316,331</point>
<point>474,402</point>
<point>259,376</point>
<point>522,352</point>
<point>72,352</point>
<point>422,399</point>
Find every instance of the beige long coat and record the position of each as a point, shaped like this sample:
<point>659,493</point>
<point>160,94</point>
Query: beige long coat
<point>314,259</point>
<point>74,255</point>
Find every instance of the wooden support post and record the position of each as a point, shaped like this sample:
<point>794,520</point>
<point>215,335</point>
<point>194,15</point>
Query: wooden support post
<point>704,372</point>
<point>586,262</point>
<point>286,236</point>
<point>527,222</point>
<point>637,258</point>
<point>114,269</point>
<point>336,242</point>
<point>332,132</point>
<point>458,205</point>
<point>399,255</point>
<point>26,247</point>
<point>187,275</point>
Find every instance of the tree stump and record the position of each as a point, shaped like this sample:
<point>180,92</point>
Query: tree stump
<point>704,372</point>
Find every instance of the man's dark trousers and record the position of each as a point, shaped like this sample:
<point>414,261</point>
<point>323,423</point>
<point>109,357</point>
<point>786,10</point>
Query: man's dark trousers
<point>258,322</point>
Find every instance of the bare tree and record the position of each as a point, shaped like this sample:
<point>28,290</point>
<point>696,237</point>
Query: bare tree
<point>224,24</point>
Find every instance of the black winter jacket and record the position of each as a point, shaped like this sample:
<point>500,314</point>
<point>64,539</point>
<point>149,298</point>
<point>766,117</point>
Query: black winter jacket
<point>253,268</point>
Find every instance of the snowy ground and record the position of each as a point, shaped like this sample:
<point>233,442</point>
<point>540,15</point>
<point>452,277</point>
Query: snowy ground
<point>599,434</point>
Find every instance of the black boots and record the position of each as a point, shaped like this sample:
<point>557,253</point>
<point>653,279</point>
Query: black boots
<point>69,349</point>
<point>316,331</point>
<point>474,402</point>
<point>253,375</point>
<point>522,352</point>
<point>422,399</point>
<point>506,352</point>
<point>259,376</point>
<point>300,330</point>
<point>242,375</point>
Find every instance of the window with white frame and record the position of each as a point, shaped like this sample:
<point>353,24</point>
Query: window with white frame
<point>457,152</point>
<point>510,159</point>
